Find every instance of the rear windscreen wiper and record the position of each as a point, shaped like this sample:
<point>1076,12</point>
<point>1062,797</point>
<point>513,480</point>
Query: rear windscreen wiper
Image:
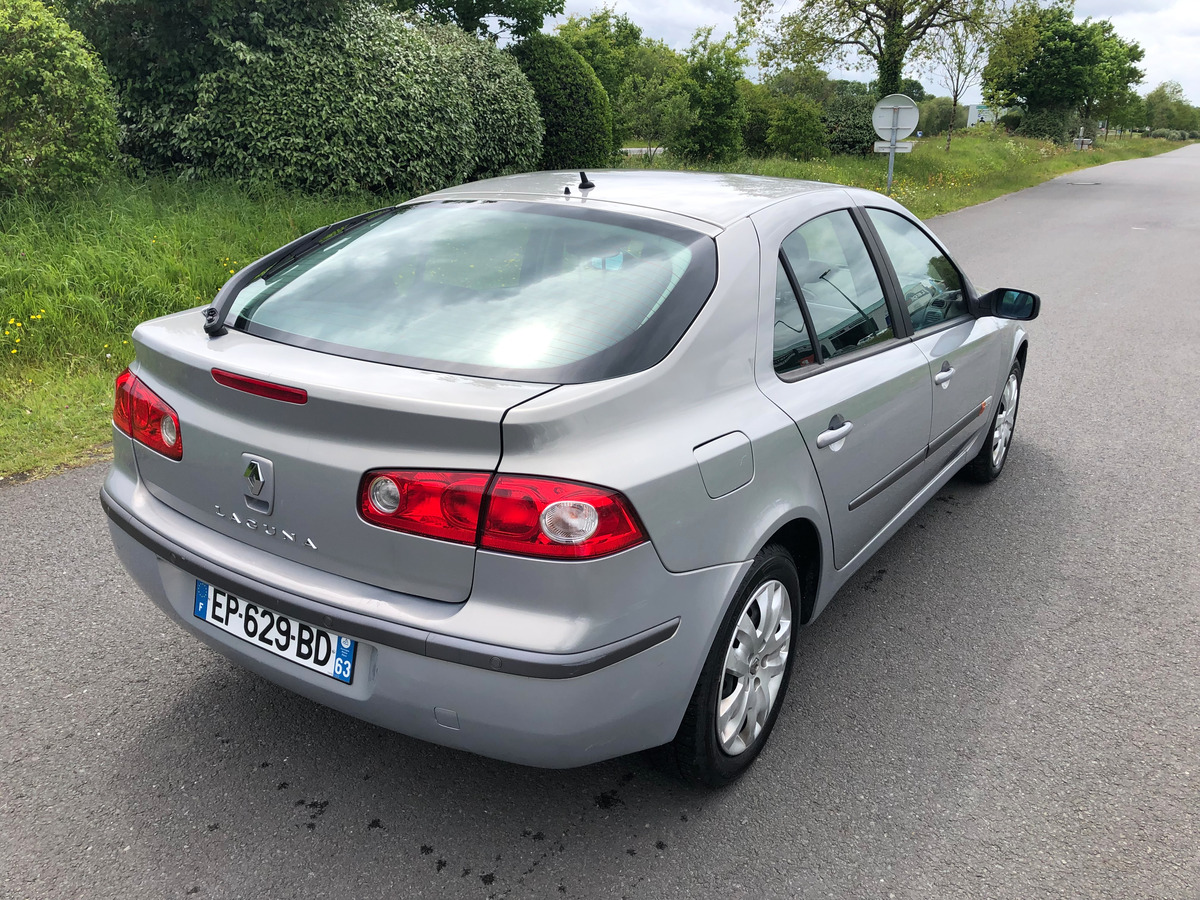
<point>214,315</point>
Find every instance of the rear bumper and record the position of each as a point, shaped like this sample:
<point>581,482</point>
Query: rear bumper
<point>546,709</point>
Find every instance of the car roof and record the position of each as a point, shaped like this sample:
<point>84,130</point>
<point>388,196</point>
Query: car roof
<point>717,198</point>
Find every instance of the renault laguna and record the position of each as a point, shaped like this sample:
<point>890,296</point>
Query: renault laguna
<point>552,468</point>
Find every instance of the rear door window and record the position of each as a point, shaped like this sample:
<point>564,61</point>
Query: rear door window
<point>510,290</point>
<point>839,284</point>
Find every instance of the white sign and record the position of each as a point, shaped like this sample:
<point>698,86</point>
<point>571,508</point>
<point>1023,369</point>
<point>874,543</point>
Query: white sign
<point>886,146</point>
<point>895,117</point>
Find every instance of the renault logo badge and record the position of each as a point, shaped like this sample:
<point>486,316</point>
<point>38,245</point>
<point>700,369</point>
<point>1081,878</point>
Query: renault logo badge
<point>254,478</point>
<point>258,483</point>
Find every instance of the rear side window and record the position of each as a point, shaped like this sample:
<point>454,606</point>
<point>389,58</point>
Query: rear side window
<point>509,290</point>
<point>793,346</point>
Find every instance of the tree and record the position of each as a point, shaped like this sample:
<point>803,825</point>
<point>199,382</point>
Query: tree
<point>617,51</point>
<point>713,70</point>
<point>914,90</point>
<point>1113,80</point>
<point>937,114</point>
<point>885,32</point>
<point>805,80</point>
<point>848,125</point>
<point>1059,72</point>
<point>957,59</point>
<point>1012,43</point>
<point>607,41</point>
<point>657,110</point>
<point>489,18</point>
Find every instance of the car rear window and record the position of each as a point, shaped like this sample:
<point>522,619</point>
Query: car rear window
<point>522,291</point>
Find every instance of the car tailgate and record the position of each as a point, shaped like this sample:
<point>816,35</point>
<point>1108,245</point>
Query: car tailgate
<point>358,416</point>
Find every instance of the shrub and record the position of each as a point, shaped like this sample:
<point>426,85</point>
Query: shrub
<point>369,102</point>
<point>1161,133</point>
<point>504,111</point>
<point>573,103</point>
<point>58,128</point>
<point>1011,121</point>
<point>761,108</point>
<point>1056,125</point>
<point>796,129</point>
<point>848,124</point>
<point>1194,135</point>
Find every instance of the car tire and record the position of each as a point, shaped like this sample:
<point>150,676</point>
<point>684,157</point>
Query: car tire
<point>989,462</point>
<point>745,677</point>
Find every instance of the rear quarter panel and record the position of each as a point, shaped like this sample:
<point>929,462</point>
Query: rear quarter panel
<point>638,434</point>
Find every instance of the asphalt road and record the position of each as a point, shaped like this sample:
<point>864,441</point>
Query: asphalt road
<point>1004,704</point>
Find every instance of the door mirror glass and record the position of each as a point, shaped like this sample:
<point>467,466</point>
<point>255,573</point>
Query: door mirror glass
<point>1008,303</point>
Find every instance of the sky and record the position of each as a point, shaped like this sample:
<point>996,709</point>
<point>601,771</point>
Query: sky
<point>1168,30</point>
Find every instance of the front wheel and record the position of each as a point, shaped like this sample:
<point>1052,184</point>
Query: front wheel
<point>745,677</point>
<point>989,462</point>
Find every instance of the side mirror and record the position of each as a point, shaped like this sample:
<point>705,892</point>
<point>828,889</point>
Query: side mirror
<point>1008,303</point>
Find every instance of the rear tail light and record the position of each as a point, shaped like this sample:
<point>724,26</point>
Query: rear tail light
<point>509,513</point>
<point>558,519</point>
<point>434,504</point>
<point>146,417</point>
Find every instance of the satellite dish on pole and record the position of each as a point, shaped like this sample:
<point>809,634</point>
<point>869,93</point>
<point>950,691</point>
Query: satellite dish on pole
<point>897,113</point>
<point>895,118</point>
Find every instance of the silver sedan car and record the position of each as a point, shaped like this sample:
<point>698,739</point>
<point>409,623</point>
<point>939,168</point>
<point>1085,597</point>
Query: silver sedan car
<point>552,468</point>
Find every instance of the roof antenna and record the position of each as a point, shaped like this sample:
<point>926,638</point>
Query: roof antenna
<point>584,184</point>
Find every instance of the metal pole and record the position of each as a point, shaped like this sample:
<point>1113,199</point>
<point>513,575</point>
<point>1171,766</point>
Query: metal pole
<point>892,147</point>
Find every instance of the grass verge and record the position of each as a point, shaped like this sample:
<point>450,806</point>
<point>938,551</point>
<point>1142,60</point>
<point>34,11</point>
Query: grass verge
<point>77,276</point>
<point>980,165</point>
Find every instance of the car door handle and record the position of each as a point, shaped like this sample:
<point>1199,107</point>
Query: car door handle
<point>945,375</point>
<point>833,435</point>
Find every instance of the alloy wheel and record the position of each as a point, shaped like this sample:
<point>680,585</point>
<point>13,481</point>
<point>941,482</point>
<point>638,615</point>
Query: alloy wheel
<point>1006,420</point>
<point>755,664</point>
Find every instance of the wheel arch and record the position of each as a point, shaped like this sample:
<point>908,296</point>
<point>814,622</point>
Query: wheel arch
<point>801,538</point>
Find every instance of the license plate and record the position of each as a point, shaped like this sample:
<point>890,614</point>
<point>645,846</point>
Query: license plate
<point>307,645</point>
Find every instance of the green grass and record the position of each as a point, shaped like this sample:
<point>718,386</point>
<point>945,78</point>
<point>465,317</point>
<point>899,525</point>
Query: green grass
<point>77,277</point>
<point>980,166</point>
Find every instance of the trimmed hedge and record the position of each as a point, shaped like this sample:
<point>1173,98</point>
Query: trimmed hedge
<point>575,108</point>
<point>369,102</point>
<point>1056,125</point>
<point>848,123</point>
<point>58,126</point>
<point>323,95</point>
<point>504,109</point>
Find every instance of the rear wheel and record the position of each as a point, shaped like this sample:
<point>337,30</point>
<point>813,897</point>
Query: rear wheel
<point>989,462</point>
<point>745,677</point>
